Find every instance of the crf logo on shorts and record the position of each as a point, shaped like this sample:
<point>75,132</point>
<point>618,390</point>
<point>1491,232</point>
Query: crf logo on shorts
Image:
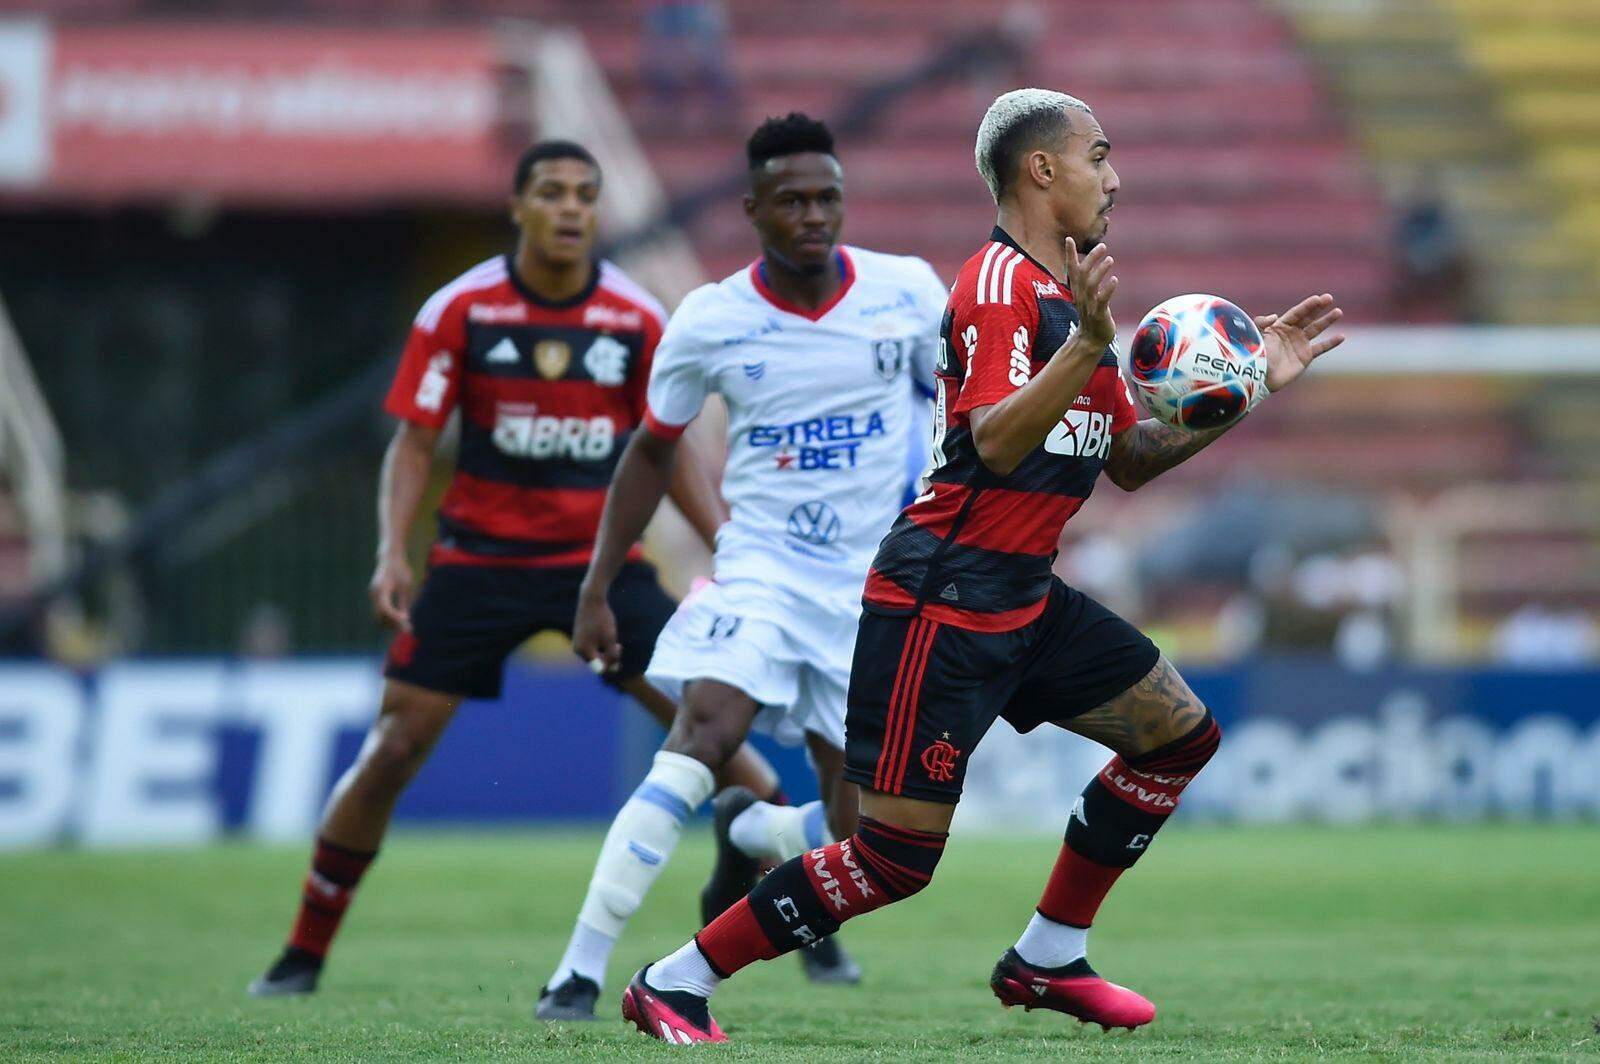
<point>1081,434</point>
<point>940,761</point>
<point>527,435</point>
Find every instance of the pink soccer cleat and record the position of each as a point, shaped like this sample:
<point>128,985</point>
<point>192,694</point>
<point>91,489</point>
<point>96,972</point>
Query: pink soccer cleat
<point>1074,989</point>
<point>675,1016</point>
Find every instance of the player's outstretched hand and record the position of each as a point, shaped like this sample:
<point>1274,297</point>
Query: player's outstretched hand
<point>1092,285</point>
<point>390,591</point>
<point>594,634</point>
<point>1293,339</point>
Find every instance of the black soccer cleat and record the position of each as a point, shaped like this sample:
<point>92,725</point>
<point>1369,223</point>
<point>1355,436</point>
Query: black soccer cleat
<point>572,1000</point>
<point>734,874</point>
<point>826,962</point>
<point>296,971</point>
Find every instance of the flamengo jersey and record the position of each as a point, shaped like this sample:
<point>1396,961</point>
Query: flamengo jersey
<point>974,550</point>
<point>820,411</point>
<point>548,394</point>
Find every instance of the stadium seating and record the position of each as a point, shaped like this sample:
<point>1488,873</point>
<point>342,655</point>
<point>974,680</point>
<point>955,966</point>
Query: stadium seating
<point>1240,179</point>
<point>1543,57</point>
<point>1460,101</point>
<point>1237,178</point>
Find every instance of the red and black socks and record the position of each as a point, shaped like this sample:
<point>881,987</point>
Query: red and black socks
<point>1111,826</point>
<point>329,886</point>
<point>808,897</point>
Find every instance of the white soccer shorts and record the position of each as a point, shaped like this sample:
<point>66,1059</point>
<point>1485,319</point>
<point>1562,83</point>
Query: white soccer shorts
<point>788,653</point>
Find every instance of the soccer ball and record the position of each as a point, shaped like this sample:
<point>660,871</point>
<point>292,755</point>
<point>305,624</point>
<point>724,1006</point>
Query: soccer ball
<point>1197,362</point>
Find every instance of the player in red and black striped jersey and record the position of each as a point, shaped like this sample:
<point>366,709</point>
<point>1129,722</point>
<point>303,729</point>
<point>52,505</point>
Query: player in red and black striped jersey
<point>974,549</point>
<point>964,621</point>
<point>546,354</point>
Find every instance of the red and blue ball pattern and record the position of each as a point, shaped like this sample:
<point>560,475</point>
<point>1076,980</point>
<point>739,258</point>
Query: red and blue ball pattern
<point>1197,362</point>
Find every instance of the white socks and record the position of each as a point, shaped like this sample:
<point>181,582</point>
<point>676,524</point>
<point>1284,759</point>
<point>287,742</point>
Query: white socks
<point>642,837</point>
<point>775,833</point>
<point>1047,944</point>
<point>686,969</point>
<point>587,953</point>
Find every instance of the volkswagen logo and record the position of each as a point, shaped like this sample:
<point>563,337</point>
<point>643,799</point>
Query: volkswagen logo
<point>814,523</point>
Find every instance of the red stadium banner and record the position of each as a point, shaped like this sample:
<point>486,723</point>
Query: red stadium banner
<point>248,113</point>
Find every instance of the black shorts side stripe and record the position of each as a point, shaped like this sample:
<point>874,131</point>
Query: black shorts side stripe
<point>922,694</point>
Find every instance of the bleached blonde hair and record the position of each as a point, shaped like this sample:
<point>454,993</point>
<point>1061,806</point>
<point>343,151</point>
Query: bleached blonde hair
<point>1012,115</point>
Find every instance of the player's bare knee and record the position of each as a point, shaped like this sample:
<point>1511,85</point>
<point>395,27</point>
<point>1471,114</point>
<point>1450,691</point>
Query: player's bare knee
<point>709,742</point>
<point>1188,752</point>
<point>393,759</point>
<point>395,750</point>
<point>711,724</point>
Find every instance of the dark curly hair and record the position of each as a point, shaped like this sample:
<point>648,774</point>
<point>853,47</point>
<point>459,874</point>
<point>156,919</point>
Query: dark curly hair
<point>790,135</point>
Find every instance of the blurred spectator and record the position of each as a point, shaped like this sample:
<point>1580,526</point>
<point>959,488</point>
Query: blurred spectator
<point>1537,637</point>
<point>1340,601</point>
<point>687,63</point>
<point>1364,640</point>
<point>1364,576</point>
<point>266,632</point>
<point>1435,267</point>
<point>1103,566</point>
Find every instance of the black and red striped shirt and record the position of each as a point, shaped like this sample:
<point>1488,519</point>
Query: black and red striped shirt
<point>548,392</point>
<point>974,550</point>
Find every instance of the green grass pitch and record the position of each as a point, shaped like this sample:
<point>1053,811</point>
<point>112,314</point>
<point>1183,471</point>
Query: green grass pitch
<point>1378,944</point>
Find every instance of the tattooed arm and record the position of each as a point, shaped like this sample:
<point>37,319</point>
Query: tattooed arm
<point>1149,449</point>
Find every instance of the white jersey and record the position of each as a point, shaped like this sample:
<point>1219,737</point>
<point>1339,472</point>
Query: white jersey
<point>821,410</point>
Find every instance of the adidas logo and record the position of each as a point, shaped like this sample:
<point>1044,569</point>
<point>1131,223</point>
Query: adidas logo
<point>949,593</point>
<point>503,352</point>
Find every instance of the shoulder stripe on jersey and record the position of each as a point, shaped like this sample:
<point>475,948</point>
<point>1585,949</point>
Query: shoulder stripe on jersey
<point>999,278</point>
<point>983,272</point>
<point>487,272</point>
<point>482,275</point>
<point>995,269</point>
<point>613,279</point>
<point>1011,268</point>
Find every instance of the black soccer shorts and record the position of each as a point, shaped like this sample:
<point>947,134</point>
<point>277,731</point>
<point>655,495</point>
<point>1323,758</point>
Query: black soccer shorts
<point>468,618</point>
<point>922,694</point>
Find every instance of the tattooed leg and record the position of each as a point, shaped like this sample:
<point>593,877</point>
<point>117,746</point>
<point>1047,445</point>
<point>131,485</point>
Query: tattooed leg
<point>1157,710</point>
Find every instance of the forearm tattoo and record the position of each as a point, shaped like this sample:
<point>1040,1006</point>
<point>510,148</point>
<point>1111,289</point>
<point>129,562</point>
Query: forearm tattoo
<point>1152,447</point>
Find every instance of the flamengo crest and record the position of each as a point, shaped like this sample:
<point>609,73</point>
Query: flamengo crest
<point>940,761</point>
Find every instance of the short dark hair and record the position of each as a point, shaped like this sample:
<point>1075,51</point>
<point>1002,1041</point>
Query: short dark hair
<point>549,149</point>
<point>790,135</point>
